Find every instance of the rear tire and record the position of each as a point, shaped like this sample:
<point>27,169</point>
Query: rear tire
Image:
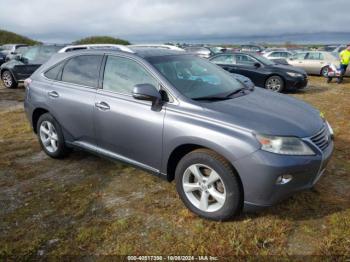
<point>8,80</point>
<point>208,185</point>
<point>50,136</point>
<point>275,83</point>
<point>324,71</point>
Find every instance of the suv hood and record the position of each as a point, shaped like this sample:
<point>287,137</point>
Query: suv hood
<point>267,113</point>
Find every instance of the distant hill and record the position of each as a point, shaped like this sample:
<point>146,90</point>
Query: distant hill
<point>101,40</point>
<point>7,37</point>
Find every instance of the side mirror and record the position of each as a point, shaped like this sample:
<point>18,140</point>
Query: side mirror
<point>146,92</point>
<point>257,65</point>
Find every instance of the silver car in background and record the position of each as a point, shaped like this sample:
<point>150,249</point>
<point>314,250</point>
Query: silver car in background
<point>315,62</point>
<point>279,54</point>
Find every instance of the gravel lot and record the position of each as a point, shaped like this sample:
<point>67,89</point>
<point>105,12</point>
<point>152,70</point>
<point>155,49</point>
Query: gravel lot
<point>87,205</point>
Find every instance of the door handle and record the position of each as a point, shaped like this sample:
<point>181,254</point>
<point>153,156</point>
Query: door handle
<point>102,106</point>
<point>53,94</point>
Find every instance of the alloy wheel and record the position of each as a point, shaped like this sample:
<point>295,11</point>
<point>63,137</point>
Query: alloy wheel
<point>204,188</point>
<point>48,136</point>
<point>274,84</point>
<point>7,79</point>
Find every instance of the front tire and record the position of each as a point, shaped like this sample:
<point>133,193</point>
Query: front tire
<point>208,185</point>
<point>51,137</point>
<point>8,80</point>
<point>275,84</point>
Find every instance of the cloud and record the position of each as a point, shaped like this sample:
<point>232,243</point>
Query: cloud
<point>161,20</point>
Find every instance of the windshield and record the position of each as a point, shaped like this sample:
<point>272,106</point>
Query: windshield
<point>40,53</point>
<point>195,77</point>
<point>21,50</point>
<point>31,53</point>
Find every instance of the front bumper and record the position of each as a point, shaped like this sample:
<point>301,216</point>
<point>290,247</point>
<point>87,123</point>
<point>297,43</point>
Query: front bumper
<point>296,82</point>
<point>260,170</point>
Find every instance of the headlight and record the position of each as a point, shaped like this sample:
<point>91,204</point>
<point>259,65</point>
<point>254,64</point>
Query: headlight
<point>284,145</point>
<point>292,74</point>
<point>330,129</point>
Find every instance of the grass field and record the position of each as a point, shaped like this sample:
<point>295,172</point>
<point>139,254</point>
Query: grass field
<point>85,205</point>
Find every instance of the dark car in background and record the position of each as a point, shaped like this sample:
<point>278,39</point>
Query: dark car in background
<point>262,71</point>
<point>19,69</point>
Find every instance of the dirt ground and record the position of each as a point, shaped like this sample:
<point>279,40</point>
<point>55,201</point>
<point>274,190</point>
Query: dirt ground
<point>85,205</point>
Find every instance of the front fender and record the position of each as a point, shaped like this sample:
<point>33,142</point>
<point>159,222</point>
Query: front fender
<point>186,129</point>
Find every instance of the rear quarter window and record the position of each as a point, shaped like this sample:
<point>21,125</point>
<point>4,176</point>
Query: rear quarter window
<point>55,72</point>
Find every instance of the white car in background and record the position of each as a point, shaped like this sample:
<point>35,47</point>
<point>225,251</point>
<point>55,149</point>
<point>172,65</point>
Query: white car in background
<point>279,56</point>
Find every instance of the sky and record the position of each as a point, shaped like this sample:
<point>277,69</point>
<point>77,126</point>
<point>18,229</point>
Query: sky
<point>169,20</point>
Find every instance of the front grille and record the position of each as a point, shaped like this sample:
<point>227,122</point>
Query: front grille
<point>321,139</point>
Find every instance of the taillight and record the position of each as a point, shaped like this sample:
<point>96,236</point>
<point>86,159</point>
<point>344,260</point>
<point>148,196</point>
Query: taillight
<point>27,82</point>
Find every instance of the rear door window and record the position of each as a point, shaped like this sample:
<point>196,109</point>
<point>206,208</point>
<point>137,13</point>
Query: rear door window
<point>83,70</point>
<point>244,59</point>
<point>314,56</point>
<point>299,56</point>
<point>224,59</point>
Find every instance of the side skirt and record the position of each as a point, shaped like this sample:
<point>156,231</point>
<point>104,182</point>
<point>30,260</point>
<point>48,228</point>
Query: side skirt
<point>115,157</point>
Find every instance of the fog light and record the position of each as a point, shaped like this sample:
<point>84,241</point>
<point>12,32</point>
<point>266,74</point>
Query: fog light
<point>284,179</point>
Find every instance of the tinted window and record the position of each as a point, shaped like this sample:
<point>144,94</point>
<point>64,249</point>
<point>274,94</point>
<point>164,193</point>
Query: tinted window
<point>223,59</point>
<point>299,56</point>
<point>244,60</point>
<point>55,72</point>
<point>31,53</point>
<point>122,74</point>
<point>82,70</point>
<point>275,54</point>
<point>315,56</point>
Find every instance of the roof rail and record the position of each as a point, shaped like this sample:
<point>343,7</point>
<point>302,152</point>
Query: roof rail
<point>95,46</point>
<point>169,47</point>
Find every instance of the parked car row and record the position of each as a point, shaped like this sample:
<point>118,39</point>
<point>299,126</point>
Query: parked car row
<point>228,146</point>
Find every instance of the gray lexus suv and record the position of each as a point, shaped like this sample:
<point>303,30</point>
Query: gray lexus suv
<point>229,146</point>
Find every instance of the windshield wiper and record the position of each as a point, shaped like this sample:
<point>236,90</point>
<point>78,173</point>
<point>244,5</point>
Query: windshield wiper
<point>211,98</point>
<point>240,90</point>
